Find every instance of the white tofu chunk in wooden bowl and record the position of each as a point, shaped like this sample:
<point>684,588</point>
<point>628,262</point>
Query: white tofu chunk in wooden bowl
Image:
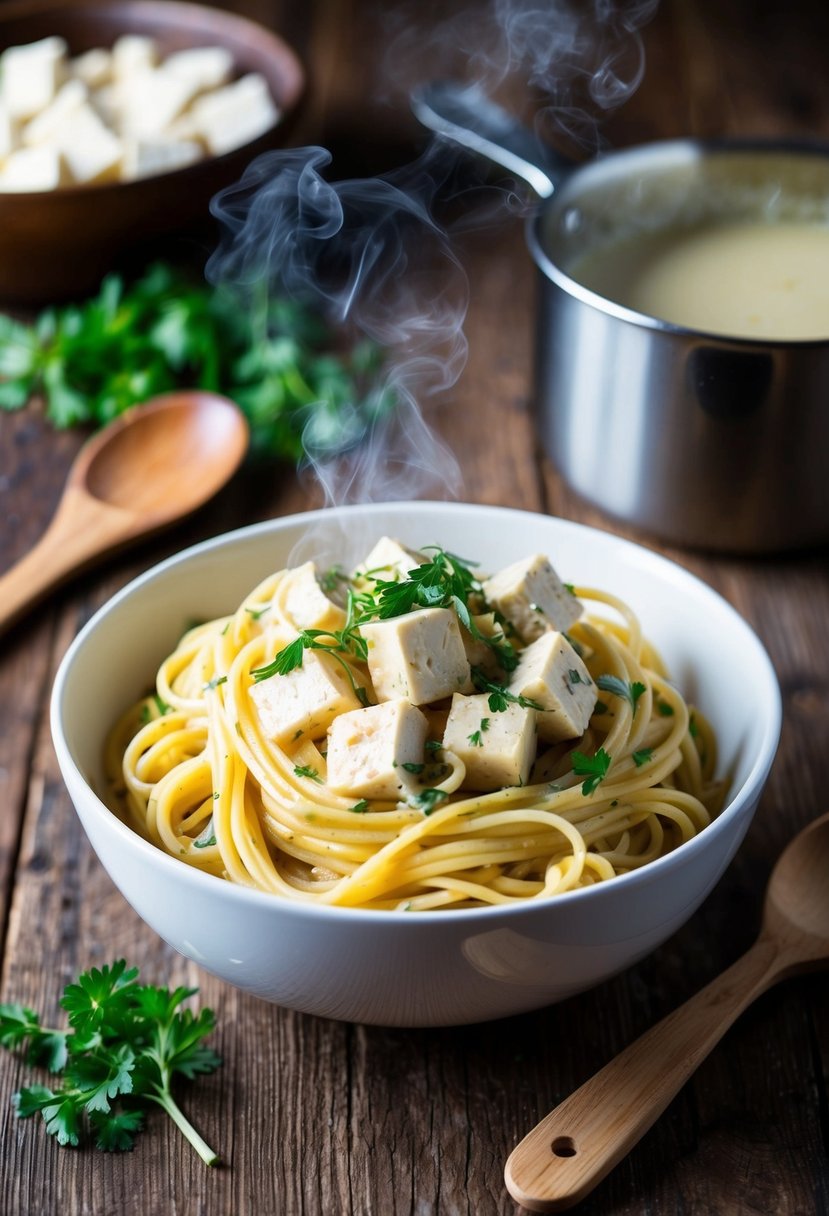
<point>118,124</point>
<point>332,842</point>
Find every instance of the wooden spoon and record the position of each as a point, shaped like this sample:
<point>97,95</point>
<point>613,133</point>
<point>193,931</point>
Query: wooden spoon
<point>578,1143</point>
<point>149,468</point>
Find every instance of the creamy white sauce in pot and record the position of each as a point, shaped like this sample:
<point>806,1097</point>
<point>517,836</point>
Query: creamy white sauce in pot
<point>745,278</point>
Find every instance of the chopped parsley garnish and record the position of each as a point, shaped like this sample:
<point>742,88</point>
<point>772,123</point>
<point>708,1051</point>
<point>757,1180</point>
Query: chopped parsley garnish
<point>642,756</point>
<point>256,613</point>
<point>305,770</point>
<point>433,745</point>
<point>445,581</point>
<point>569,587</point>
<point>204,844</point>
<point>342,642</point>
<point>593,768</point>
<point>124,1044</point>
<point>500,696</point>
<point>620,688</point>
<point>360,807</point>
<point>428,800</point>
<point>693,729</point>
<point>665,709</point>
<point>475,738</point>
<point>162,706</point>
<point>411,767</point>
<point>600,708</point>
<point>575,676</point>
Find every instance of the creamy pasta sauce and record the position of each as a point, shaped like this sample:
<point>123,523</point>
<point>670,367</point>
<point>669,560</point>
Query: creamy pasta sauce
<point>742,279</point>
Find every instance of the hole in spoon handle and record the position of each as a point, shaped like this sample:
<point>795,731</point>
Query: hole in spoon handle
<point>575,1146</point>
<point>564,1146</point>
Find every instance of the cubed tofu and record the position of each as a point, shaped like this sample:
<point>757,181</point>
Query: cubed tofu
<point>9,133</point>
<point>230,117</point>
<point>34,169</point>
<point>150,101</point>
<point>107,103</point>
<point>497,748</point>
<point>207,66</point>
<point>532,598</point>
<point>91,151</point>
<point>307,605</point>
<point>419,656</point>
<point>133,54</point>
<point>368,750</point>
<point>46,126</point>
<point>305,701</point>
<point>94,68</point>
<point>144,157</point>
<point>389,561</point>
<point>31,76</point>
<point>550,672</point>
<point>478,653</point>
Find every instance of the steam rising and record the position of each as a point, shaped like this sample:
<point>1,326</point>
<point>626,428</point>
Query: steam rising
<point>369,255</point>
<point>577,59</point>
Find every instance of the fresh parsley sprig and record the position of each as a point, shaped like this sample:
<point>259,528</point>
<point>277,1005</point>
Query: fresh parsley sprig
<point>444,581</point>
<point>300,390</point>
<point>123,1047</point>
<point>341,644</point>
<point>594,768</point>
<point>630,692</point>
<point>500,696</point>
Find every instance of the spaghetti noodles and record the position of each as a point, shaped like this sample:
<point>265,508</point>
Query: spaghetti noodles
<point>195,769</point>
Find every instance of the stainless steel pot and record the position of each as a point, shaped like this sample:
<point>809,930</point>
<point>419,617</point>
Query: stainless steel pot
<point>704,440</point>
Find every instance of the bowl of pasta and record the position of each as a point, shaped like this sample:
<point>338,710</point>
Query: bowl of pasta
<point>416,763</point>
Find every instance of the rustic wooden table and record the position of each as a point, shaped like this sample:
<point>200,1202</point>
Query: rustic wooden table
<point>322,1117</point>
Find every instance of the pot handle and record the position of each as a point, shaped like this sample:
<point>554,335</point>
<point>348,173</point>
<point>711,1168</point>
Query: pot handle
<point>464,114</point>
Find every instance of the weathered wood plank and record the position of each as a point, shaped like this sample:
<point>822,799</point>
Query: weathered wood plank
<point>314,1117</point>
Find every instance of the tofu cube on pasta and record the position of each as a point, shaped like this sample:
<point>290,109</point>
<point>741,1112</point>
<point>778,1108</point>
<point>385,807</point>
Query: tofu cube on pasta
<point>478,653</point>
<point>305,701</point>
<point>550,672</point>
<point>369,748</point>
<point>497,749</point>
<point>305,603</point>
<point>389,561</point>
<point>419,656</point>
<point>532,598</point>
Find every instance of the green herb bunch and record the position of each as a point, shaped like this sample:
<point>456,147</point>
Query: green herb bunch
<point>124,1045</point>
<point>275,358</point>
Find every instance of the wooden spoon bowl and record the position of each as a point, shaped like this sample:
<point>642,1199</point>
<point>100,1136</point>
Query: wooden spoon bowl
<point>151,467</point>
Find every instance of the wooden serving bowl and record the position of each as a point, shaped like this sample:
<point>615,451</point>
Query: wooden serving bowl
<point>59,244</point>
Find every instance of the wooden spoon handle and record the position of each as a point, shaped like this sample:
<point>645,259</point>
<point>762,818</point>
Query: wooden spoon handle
<point>81,530</point>
<point>578,1143</point>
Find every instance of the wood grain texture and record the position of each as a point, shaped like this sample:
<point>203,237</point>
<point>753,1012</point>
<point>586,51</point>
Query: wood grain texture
<point>316,1118</point>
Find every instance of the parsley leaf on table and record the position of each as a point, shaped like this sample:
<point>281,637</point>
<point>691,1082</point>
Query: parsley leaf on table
<point>124,1045</point>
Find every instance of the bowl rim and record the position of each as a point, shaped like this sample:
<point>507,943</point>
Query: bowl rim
<point>748,792</point>
<point>270,41</point>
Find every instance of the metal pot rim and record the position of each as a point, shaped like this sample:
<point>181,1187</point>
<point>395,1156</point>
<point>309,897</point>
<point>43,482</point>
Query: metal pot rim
<point>668,150</point>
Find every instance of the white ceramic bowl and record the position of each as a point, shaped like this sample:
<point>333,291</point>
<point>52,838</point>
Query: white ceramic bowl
<point>396,968</point>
